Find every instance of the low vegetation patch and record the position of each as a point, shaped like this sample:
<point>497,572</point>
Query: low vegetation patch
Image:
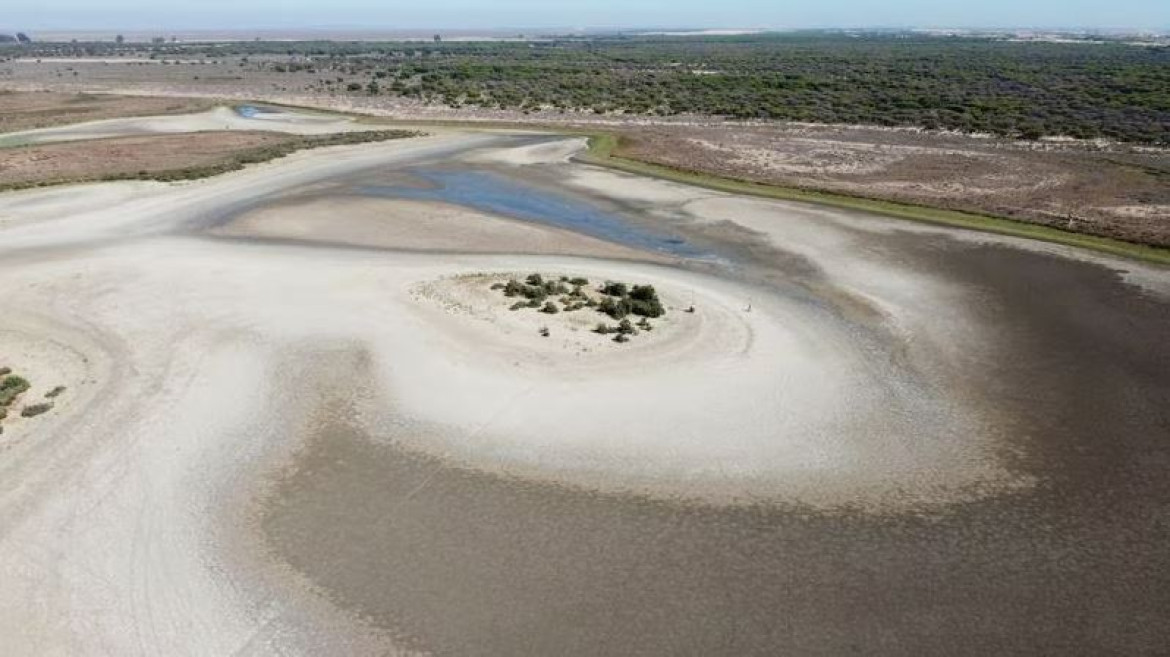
<point>12,387</point>
<point>615,299</point>
<point>34,410</point>
<point>605,150</point>
<point>153,158</point>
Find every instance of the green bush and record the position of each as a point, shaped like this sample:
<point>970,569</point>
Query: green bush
<point>644,301</point>
<point>55,392</point>
<point>615,308</point>
<point>513,288</point>
<point>13,381</point>
<point>549,308</point>
<point>12,387</point>
<point>614,289</point>
<point>35,410</point>
<point>647,308</point>
<point>644,293</point>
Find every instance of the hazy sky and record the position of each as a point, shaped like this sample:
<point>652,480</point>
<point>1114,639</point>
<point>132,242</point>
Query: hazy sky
<point>146,14</point>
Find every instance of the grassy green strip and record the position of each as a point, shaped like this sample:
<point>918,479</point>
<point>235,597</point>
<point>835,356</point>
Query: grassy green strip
<point>603,148</point>
<point>234,163</point>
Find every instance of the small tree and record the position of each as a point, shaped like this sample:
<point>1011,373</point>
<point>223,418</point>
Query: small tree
<point>513,288</point>
<point>614,289</point>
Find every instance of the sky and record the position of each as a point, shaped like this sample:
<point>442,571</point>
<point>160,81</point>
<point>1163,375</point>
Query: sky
<point>535,14</point>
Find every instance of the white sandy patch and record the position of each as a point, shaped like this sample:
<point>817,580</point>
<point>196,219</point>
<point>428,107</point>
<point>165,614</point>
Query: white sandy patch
<point>111,543</point>
<point>635,189</point>
<point>161,207</point>
<point>554,152</point>
<point>789,226</point>
<point>110,547</point>
<point>727,403</point>
<point>1148,211</point>
<point>572,344</point>
<point>414,225</point>
<point>32,350</point>
<point>32,205</point>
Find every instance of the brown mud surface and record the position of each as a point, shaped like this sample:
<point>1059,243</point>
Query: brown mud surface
<point>466,562</point>
<point>127,156</point>
<point>29,111</point>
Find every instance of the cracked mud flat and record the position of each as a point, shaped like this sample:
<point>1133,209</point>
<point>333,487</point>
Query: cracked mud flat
<point>917,440</point>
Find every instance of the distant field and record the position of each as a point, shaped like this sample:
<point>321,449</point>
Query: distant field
<point>159,157</point>
<point>1013,89</point>
<point>28,111</point>
<point>1121,194</point>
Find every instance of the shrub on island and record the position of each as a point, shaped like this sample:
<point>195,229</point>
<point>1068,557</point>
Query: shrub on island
<point>618,300</point>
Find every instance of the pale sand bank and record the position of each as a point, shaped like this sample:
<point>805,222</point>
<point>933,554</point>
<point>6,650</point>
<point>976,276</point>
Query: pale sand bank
<point>126,523</point>
<point>416,226</point>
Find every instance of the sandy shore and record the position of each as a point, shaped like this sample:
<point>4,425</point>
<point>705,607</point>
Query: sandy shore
<point>240,345</point>
<point>413,226</point>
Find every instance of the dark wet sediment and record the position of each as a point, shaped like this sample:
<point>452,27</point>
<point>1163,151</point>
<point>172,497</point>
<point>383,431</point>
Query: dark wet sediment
<point>470,563</point>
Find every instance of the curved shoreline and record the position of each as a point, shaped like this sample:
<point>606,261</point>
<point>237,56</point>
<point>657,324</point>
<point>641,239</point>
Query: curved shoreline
<point>228,347</point>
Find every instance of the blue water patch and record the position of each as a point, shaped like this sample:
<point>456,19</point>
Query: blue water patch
<point>252,111</point>
<point>495,194</point>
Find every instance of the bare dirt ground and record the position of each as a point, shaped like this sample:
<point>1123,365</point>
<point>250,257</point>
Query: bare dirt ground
<point>148,155</point>
<point>319,440</point>
<point>413,226</point>
<point>29,111</point>
<point>1099,188</point>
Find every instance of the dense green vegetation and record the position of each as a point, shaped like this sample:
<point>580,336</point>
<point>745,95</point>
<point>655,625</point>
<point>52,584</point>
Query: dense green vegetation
<point>1018,89</point>
<point>11,387</point>
<point>614,299</point>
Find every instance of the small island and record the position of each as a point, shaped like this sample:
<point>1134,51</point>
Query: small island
<point>613,299</point>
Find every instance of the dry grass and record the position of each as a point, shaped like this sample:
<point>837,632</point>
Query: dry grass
<point>159,157</point>
<point>1117,192</point>
<point>1108,190</point>
<point>99,158</point>
<point>32,110</point>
